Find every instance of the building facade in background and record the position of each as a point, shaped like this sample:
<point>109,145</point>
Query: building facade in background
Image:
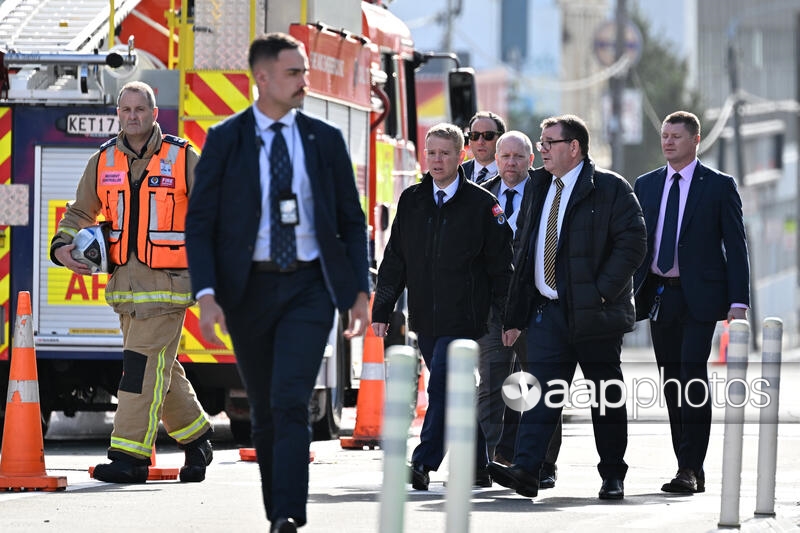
<point>538,55</point>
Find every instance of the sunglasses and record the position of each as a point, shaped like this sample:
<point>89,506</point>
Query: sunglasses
<point>488,135</point>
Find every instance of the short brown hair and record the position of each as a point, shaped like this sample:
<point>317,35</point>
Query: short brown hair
<point>445,130</point>
<point>689,120</point>
<point>269,46</point>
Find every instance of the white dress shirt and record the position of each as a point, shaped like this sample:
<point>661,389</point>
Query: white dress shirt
<point>305,234</point>
<point>569,179</point>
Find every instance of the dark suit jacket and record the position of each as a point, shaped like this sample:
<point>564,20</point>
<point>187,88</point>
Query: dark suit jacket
<point>712,249</point>
<point>469,167</point>
<point>225,209</point>
<point>493,186</point>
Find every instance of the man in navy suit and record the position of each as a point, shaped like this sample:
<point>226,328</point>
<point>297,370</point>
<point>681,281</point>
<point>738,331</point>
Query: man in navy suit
<point>696,272</point>
<point>276,239</point>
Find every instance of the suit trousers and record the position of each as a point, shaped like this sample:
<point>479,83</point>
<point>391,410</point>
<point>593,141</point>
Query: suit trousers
<point>498,423</point>
<point>154,387</point>
<point>682,346</point>
<point>431,449</point>
<point>495,364</point>
<point>279,332</point>
<point>553,356</point>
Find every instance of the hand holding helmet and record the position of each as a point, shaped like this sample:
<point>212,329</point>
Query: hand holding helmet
<point>91,248</point>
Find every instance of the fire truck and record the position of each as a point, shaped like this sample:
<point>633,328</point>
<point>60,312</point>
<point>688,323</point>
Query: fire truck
<point>58,84</point>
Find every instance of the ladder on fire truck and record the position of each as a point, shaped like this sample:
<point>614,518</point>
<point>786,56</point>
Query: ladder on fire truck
<point>60,33</point>
<point>52,26</point>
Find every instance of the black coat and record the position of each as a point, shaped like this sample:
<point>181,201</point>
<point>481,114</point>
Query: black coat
<point>455,261</point>
<point>601,244</point>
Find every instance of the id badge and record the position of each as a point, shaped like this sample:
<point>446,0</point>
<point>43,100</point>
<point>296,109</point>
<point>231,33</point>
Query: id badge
<point>287,204</point>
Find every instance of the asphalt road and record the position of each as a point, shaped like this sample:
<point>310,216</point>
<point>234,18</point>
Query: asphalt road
<point>346,485</point>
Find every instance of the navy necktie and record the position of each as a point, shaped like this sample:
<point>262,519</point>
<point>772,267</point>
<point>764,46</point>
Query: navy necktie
<point>669,233</point>
<point>481,175</point>
<point>440,198</point>
<point>283,247</point>
<point>509,210</point>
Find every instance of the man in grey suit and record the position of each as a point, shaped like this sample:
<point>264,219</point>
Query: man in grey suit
<point>276,239</point>
<point>498,424</point>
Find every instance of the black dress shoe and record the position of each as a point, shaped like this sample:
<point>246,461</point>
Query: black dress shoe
<point>284,525</point>
<point>547,477</point>
<point>502,460</point>
<point>514,477</point>
<point>684,482</point>
<point>701,484</point>
<point>419,476</point>
<point>612,489</point>
<point>482,477</point>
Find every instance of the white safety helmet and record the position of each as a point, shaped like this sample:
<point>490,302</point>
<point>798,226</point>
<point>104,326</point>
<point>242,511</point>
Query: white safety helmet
<point>91,248</point>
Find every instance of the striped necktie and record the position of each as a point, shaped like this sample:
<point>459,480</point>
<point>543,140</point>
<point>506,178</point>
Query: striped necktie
<point>551,237</point>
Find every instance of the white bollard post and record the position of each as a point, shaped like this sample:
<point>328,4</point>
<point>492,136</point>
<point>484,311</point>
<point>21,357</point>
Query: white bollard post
<point>462,355</point>
<point>394,439</point>
<point>736,389</point>
<point>772,332</point>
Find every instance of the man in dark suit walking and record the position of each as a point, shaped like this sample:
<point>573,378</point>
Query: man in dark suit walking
<point>572,289</point>
<point>276,238</point>
<point>696,272</point>
<point>485,128</point>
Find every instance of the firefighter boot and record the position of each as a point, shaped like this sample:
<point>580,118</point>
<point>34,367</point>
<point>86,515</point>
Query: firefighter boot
<point>123,469</point>
<point>198,456</point>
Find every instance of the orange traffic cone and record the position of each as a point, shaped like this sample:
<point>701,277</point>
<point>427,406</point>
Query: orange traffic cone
<point>249,454</point>
<point>724,338</point>
<point>369,407</point>
<point>22,456</point>
<point>159,472</point>
<point>422,400</point>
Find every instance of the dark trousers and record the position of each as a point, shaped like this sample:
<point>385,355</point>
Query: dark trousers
<point>431,449</point>
<point>682,346</point>
<point>552,356</point>
<point>495,364</point>
<point>279,334</point>
<point>498,423</point>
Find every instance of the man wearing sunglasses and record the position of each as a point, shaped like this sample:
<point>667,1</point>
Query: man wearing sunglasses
<point>484,130</point>
<point>572,289</point>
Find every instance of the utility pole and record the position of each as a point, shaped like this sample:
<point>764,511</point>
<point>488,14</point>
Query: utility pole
<point>448,17</point>
<point>738,150</point>
<point>617,84</point>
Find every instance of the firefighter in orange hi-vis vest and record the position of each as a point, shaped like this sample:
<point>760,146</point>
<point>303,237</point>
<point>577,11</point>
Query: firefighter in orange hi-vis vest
<point>138,184</point>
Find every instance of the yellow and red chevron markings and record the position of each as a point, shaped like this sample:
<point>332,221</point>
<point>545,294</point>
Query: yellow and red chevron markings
<point>5,231</point>
<point>195,349</point>
<point>212,96</point>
